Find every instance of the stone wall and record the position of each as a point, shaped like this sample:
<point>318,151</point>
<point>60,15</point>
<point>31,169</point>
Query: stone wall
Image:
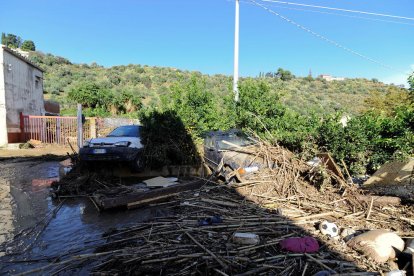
<point>6,213</point>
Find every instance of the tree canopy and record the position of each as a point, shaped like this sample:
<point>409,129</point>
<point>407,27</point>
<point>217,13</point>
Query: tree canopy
<point>11,40</point>
<point>28,45</point>
<point>100,101</point>
<point>14,41</point>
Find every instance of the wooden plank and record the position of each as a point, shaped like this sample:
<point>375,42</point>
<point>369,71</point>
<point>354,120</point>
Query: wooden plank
<point>330,164</point>
<point>147,201</point>
<point>105,202</point>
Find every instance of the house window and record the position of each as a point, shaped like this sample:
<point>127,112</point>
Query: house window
<point>37,82</point>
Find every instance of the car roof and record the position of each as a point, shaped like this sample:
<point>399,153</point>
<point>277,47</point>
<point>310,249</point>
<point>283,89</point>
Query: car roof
<point>223,133</point>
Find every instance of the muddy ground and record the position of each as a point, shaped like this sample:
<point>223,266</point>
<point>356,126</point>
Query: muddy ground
<point>43,228</point>
<point>35,152</point>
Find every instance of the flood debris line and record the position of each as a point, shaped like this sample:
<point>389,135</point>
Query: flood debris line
<point>204,236</point>
<point>290,218</point>
<point>134,198</point>
<point>108,192</point>
<point>80,181</point>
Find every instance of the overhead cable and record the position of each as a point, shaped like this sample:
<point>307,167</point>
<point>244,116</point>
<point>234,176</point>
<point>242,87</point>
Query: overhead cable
<point>344,15</point>
<point>325,38</point>
<point>329,13</point>
<point>339,9</point>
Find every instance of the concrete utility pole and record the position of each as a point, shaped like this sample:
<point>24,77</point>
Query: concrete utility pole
<point>80,127</point>
<point>236,54</point>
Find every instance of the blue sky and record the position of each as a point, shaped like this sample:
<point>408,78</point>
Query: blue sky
<point>198,35</point>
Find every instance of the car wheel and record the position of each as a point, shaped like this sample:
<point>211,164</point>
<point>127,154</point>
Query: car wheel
<point>137,165</point>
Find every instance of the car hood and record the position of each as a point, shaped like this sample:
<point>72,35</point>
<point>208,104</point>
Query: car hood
<point>107,141</point>
<point>237,159</point>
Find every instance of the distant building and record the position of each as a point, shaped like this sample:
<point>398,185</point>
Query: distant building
<point>21,91</point>
<point>330,78</point>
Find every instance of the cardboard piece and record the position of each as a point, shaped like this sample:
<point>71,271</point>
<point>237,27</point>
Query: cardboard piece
<point>327,159</point>
<point>161,182</point>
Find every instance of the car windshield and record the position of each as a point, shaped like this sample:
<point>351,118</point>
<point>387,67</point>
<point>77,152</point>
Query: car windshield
<point>232,140</point>
<point>125,131</point>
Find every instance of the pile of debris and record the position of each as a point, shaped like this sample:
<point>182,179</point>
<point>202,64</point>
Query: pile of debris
<point>297,189</point>
<point>80,182</point>
<point>216,231</point>
<point>288,219</point>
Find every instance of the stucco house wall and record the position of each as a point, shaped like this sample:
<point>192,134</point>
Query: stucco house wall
<point>21,89</point>
<point>3,122</point>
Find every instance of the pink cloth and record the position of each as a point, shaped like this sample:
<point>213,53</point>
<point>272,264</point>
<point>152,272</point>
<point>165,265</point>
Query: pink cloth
<point>300,245</point>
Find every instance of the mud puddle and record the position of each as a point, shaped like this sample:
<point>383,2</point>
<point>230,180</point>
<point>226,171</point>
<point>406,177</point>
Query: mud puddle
<point>36,230</point>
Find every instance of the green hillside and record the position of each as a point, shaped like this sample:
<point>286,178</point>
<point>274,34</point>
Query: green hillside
<point>149,83</point>
<point>301,114</point>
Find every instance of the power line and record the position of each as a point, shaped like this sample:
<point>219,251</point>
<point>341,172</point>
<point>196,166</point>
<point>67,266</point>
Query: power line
<point>339,9</point>
<point>344,15</point>
<point>325,38</point>
<point>330,13</point>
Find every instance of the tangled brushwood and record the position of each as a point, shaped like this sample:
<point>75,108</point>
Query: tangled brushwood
<point>198,234</point>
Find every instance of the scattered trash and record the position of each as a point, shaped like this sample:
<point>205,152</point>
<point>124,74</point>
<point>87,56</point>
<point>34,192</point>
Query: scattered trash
<point>395,273</point>
<point>31,144</point>
<point>316,161</point>
<point>251,169</point>
<point>246,238</point>
<point>409,246</point>
<point>26,146</point>
<point>380,245</point>
<point>300,245</point>
<point>210,220</point>
<point>66,163</point>
<point>66,170</point>
<point>35,143</point>
<point>360,179</point>
<point>44,182</point>
<point>347,234</point>
<point>328,229</point>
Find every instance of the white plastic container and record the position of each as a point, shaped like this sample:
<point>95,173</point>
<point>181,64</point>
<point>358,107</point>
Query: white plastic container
<point>246,238</point>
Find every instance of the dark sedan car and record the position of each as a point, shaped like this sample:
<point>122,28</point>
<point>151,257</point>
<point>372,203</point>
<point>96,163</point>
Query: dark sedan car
<point>226,153</point>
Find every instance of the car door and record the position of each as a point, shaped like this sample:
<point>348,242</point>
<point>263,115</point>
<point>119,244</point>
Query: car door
<point>210,152</point>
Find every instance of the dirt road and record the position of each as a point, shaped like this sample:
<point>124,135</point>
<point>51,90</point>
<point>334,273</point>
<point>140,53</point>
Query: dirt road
<point>53,150</point>
<point>46,227</point>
